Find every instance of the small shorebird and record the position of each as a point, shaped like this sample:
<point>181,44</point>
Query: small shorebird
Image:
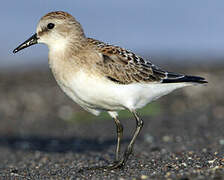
<point>102,77</point>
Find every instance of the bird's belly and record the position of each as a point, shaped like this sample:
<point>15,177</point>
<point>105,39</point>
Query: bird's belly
<point>94,92</point>
<point>91,92</point>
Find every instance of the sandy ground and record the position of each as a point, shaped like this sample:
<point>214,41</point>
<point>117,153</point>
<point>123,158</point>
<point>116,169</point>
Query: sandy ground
<point>44,135</point>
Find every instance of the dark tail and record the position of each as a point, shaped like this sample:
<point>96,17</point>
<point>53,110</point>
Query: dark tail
<point>176,78</point>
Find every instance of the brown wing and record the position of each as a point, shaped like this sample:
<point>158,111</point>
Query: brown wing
<point>124,67</point>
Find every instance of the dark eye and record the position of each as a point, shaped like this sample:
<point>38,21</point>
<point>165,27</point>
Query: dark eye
<point>50,26</point>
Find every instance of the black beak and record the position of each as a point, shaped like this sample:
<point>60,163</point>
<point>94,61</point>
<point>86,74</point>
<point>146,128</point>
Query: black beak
<point>29,42</point>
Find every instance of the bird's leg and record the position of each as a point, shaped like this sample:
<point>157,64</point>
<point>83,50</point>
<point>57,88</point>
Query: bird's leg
<point>139,125</point>
<point>121,162</point>
<point>119,136</point>
<point>129,149</point>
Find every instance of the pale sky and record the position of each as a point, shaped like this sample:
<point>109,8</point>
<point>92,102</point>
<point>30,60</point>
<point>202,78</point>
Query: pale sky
<point>176,28</point>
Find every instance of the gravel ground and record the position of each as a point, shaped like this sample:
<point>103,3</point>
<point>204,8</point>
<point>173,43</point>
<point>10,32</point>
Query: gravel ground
<point>44,135</point>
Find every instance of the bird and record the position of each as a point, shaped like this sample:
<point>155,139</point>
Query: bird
<point>103,77</point>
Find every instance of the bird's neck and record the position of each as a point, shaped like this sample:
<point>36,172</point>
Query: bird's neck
<point>65,45</point>
<point>65,52</point>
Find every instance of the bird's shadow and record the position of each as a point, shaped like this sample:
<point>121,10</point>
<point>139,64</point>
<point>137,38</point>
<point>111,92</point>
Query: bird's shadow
<point>55,144</point>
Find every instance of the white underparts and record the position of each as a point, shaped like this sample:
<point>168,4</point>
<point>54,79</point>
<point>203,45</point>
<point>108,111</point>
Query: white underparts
<point>95,94</point>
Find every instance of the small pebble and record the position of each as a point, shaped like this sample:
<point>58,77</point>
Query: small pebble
<point>221,141</point>
<point>144,177</point>
<point>167,138</point>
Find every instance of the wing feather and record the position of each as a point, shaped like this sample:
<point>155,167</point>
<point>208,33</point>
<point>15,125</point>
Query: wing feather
<point>124,67</point>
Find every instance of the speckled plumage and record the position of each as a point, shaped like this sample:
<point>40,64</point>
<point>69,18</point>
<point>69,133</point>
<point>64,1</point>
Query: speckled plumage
<point>124,66</point>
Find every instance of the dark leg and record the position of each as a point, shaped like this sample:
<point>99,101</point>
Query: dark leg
<point>120,163</point>
<point>129,149</point>
<point>119,136</point>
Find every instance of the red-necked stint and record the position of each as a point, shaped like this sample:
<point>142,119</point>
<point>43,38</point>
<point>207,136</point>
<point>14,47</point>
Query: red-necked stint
<point>102,77</point>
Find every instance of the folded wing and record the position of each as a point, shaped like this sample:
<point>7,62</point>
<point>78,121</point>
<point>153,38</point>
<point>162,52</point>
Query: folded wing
<point>124,67</point>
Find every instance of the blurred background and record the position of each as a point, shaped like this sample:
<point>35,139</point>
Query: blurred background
<point>182,36</point>
<point>166,30</point>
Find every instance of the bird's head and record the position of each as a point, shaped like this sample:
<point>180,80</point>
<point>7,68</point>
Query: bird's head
<point>55,29</point>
